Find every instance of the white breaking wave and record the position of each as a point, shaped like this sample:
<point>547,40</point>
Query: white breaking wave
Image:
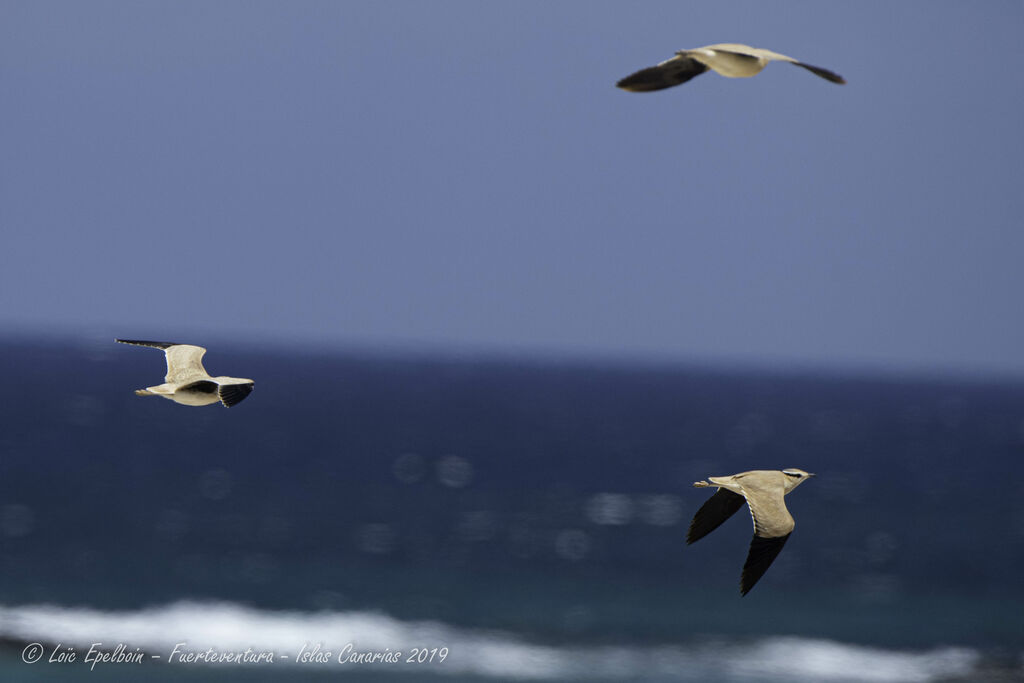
<point>196,634</point>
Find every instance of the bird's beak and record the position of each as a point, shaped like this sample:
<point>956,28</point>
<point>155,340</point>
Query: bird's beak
<point>810,474</point>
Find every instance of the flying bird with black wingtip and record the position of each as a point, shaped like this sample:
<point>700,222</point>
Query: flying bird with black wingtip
<point>764,492</point>
<point>187,381</point>
<point>731,60</point>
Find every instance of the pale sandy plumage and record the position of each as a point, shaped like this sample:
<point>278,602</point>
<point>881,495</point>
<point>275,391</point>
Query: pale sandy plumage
<point>764,492</point>
<point>187,381</point>
<point>732,60</point>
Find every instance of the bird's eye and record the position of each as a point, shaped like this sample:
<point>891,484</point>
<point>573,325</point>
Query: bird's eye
<point>792,474</point>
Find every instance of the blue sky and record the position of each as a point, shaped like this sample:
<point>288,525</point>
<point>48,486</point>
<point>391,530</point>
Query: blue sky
<point>464,176</point>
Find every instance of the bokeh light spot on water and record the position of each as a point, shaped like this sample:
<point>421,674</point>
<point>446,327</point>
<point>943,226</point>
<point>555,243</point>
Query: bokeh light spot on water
<point>16,520</point>
<point>274,529</point>
<point>215,484</point>
<point>454,471</point>
<point>232,529</point>
<point>572,544</point>
<point>524,541</point>
<point>661,509</point>
<point>476,526</point>
<point>408,468</point>
<point>881,547</point>
<point>609,508</point>
<point>876,587</point>
<point>577,619</point>
<point>171,525</point>
<point>376,538</point>
<point>753,429</point>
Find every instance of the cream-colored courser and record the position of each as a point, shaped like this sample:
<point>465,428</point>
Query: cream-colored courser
<point>728,59</point>
<point>187,381</point>
<point>764,492</point>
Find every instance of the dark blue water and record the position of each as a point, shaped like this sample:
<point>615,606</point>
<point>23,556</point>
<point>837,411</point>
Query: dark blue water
<point>543,500</point>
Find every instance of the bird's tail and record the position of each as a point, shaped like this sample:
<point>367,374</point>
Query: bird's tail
<point>144,392</point>
<point>701,484</point>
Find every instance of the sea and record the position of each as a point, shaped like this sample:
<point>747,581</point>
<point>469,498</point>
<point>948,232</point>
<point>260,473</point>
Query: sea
<point>452,517</point>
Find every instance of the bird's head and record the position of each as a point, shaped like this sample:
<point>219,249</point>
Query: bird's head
<point>795,477</point>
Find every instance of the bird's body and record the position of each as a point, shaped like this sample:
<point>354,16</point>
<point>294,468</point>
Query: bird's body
<point>187,381</point>
<point>764,492</point>
<point>731,60</point>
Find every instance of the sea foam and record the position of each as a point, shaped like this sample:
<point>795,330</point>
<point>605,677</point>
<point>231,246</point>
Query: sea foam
<point>224,628</point>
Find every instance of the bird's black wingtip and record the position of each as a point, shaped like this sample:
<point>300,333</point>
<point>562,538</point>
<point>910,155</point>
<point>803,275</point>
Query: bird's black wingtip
<point>763,552</point>
<point>629,85</point>
<point>153,344</point>
<point>233,394</point>
<point>831,76</point>
<point>650,79</point>
<point>666,75</point>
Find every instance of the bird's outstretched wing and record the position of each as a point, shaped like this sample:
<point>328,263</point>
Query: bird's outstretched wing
<point>184,361</point>
<point>669,73</point>
<point>776,56</point>
<point>772,526</point>
<point>763,552</point>
<point>712,513</point>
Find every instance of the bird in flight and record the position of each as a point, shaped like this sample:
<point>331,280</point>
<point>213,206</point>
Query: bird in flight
<point>187,381</point>
<point>728,59</point>
<point>764,492</point>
